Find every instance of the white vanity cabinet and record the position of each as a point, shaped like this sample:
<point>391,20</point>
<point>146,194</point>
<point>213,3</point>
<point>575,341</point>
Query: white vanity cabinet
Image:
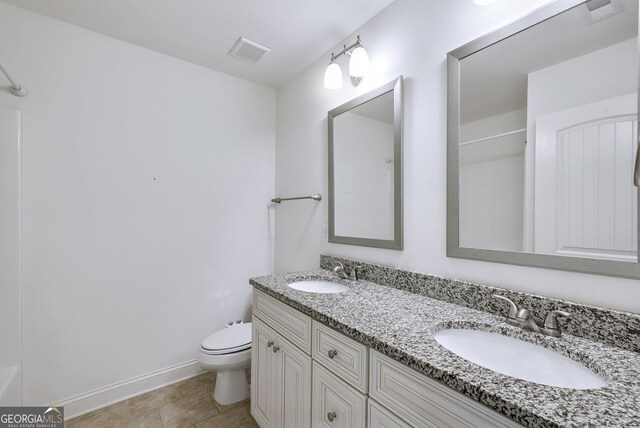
<point>424,402</point>
<point>305,374</point>
<point>280,370</point>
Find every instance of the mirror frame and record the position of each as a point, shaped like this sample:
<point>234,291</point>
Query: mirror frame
<point>574,264</point>
<point>397,242</point>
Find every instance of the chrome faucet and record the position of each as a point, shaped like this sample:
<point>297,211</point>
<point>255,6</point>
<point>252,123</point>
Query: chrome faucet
<point>340,271</point>
<point>344,274</point>
<point>521,317</point>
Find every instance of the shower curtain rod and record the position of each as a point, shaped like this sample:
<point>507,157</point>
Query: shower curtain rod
<point>16,89</point>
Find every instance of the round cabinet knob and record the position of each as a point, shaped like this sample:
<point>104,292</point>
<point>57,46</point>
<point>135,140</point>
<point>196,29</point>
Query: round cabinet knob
<point>276,349</point>
<point>332,353</point>
<point>270,344</point>
<point>331,416</point>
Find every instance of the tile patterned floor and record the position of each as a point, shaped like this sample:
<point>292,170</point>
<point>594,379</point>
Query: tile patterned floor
<point>187,404</point>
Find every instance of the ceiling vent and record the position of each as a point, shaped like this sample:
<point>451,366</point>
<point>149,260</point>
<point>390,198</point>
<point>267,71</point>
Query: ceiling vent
<point>247,50</point>
<point>598,10</point>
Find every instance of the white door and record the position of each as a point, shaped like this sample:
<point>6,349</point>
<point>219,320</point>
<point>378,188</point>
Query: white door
<point>585,201</point>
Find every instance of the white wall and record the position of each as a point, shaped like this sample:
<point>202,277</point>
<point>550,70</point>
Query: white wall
<point>598,75</point>
<point>146,189</point>
<point>10,257</point>
<point>410,37</point>
<point>364,205</point>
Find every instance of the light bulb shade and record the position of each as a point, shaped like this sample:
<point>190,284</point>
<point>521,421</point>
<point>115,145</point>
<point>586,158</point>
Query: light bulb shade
<point>333,76</point>
<point>359,63</point>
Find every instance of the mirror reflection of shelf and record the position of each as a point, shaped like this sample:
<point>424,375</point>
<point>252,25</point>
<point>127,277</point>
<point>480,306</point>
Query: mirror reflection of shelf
<point>492,137</point>
<point>505,145</point>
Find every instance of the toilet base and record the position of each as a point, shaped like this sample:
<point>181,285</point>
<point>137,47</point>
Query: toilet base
<point>231,386</point>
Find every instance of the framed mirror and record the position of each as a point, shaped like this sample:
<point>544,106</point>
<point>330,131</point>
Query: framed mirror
<point>365,169</point>
<point>542,141</point>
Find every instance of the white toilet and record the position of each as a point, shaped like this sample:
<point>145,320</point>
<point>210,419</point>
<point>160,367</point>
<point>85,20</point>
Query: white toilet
<point>228,352</point>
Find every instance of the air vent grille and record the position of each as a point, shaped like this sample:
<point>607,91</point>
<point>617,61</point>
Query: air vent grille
<point>596,4</point>
<point>597,10</point>
<point>247,50</point>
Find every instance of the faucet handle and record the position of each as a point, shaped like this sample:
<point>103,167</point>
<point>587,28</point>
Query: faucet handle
<point>551,320</point>
<point>513,309</point>
<point>354,271</point>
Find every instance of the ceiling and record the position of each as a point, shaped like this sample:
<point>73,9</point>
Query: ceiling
<point>203,31</point>
<point>494,80</point>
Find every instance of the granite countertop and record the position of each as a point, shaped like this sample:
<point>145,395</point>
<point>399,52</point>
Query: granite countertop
<point>401,324</point>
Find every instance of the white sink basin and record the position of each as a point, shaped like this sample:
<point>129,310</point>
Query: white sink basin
<point>518,359</point>
<point>318,287</point>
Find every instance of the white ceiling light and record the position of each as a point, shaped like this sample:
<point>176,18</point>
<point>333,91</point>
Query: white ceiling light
<point>359,62</point>
<point>333,76</point>
<point>484,2</point>
<point>358,66</point>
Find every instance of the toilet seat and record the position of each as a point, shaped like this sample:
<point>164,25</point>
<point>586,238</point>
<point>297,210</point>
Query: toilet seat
<point>228,353</point>
<point>232,339</point>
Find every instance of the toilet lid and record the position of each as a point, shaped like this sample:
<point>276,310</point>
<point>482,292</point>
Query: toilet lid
<point>228,340</point>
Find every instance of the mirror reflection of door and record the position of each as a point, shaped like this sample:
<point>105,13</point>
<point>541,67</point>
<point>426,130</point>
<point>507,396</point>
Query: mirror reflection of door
<point>548,130</point>
<point>585,156</point>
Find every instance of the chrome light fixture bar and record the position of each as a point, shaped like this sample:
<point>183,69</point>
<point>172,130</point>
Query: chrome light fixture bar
<point>17,90</point>
<point>358,66</point>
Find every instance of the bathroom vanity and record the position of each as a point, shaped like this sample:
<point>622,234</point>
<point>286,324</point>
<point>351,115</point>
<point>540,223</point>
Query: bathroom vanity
<point>366,357</point>
<point>349,382</point>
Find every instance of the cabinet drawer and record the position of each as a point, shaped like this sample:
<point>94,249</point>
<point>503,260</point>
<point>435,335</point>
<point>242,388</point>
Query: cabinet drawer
<point>424,402</point>
<point>341,355</point>
<point>379,417</point>
<point>335,404</point>
<point>292,324</point>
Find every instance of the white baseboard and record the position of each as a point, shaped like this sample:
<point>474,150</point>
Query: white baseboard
<point>102,397</point>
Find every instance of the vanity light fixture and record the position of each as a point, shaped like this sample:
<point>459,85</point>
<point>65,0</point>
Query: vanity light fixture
<point>333,76</point>
<point>358,66</point>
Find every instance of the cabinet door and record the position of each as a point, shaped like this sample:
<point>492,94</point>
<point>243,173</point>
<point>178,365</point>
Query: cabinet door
<point>424,402</point>
<point>336,404</point>
<point>263,375</point>
<point>293,386</point>
<point>379,417</point>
